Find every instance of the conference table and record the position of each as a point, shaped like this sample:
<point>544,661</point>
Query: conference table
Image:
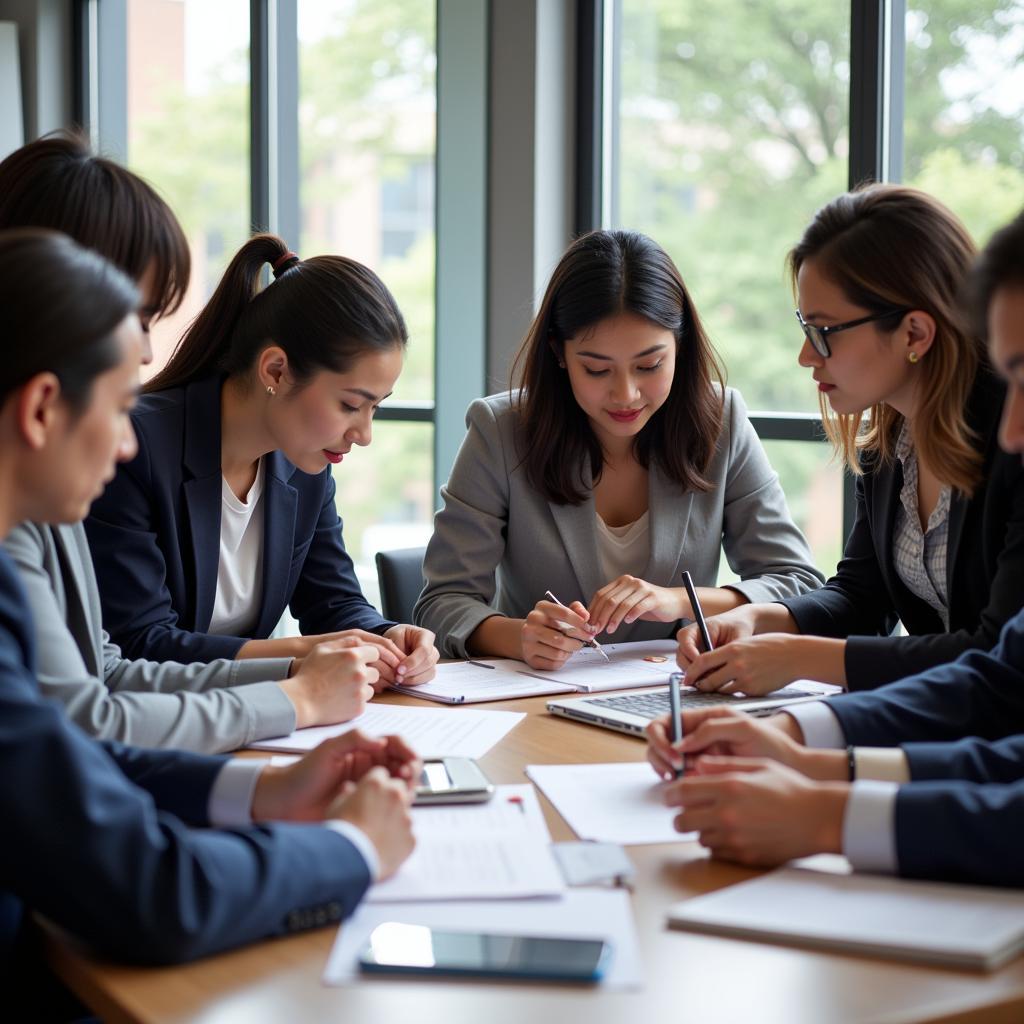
<point>688,977</point>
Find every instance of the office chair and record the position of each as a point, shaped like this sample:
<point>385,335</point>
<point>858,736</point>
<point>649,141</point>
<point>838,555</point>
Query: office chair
<point>400,575</point>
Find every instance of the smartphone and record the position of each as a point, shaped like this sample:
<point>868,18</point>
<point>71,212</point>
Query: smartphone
<point>413,949</point>
<point>453,780</point>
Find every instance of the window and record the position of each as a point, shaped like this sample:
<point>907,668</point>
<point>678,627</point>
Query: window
<point>964,126</point>
<point>367,144</point>
<point>188,132</point>
<point>730,127</point>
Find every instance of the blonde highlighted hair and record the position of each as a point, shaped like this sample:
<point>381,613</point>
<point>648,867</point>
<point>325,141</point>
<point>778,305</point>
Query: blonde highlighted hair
<point>888,247</point>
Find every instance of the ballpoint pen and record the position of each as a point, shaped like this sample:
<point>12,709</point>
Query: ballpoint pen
<point>698,612</point>
<point>676,713</point>
<point>565,625</point>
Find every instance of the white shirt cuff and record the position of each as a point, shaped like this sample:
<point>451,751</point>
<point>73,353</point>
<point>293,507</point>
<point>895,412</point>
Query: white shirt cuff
<point>361,841</point>
<point>885,764</point>
<point>819,725</point>
<point>231,796</point>
<point>869,827</point>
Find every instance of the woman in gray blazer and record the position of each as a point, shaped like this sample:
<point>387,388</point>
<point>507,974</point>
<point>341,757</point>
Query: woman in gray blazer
<point>58,183</point>
<point>620,462</point>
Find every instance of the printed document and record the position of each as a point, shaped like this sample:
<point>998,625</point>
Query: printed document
<point>431,732</point>
<point>496,850</point>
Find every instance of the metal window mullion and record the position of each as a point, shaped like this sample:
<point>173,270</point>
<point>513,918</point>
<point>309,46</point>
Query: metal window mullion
<point>104,63</point>
<point>589,113</point>
<point>273,117</point>
<point>461,221</point>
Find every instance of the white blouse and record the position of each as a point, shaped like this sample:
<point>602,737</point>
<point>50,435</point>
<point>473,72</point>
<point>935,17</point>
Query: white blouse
<point>236,608</point>
<point>624,550</point>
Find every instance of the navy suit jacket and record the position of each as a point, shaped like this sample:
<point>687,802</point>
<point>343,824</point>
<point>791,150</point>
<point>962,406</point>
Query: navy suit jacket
<point>155,539</point>
<point>97,835</point>
<point>984,575</point>
<point>959,817</point>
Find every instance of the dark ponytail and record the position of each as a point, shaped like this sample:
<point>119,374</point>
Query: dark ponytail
<point>61,305</point>
<point>323,312</point>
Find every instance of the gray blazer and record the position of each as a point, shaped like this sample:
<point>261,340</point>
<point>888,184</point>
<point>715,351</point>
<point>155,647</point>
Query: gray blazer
<point>208,708</point>
<point>498,544</point>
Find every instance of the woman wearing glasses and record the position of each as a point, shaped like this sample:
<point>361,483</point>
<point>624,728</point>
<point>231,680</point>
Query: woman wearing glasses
<point>619,463</point>
<point>911,404</point>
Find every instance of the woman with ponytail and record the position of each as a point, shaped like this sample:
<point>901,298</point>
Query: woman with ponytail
<point>911,404</point>
<point>59,183</point>
<point>227,514</point>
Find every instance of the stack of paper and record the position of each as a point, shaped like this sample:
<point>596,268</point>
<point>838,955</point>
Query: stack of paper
<point>629,665</point>
<point>431,732</point>
<point>930,922</point>
<point>497,850</point>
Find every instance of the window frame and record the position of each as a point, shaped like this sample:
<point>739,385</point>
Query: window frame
<point>876,145</point>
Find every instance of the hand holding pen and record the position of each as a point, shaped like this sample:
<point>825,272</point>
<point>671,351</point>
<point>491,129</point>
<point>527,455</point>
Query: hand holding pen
<point>553,632</point>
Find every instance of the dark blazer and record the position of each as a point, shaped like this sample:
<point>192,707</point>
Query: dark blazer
<point>155,539</point>
<point>985,566</point>
<point>955,820</point>
<point>98,836</point>
<point>981,694</point>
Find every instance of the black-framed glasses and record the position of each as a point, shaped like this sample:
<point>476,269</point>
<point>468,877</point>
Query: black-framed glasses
<point>818,336</point>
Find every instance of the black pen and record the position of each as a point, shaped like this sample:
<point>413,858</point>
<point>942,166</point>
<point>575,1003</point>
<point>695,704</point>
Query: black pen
<point>698,612</point>
<point>676,713</point>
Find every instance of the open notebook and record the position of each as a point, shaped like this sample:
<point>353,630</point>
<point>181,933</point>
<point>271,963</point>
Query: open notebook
<point>929,922</point>
<point>631,665</point>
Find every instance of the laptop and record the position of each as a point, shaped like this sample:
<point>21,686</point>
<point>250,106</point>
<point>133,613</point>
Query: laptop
<point>631,712</point>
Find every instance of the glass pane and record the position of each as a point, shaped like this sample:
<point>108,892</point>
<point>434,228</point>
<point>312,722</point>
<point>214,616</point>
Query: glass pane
<point>367,138</point>
<point>732,129</point>
<point>964,126</point>
<point>188,132</point>
<point>386,495</point>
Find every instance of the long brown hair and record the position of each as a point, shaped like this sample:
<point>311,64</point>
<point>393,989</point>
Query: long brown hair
<point>890,247</point>
<point>58,182</point>
<point>323,312</point>
<point>61,304</point>
<point>603,274</point>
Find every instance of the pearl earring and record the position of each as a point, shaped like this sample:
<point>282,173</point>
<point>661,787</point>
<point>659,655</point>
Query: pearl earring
<point>912,357</point>
<point>270,390</point>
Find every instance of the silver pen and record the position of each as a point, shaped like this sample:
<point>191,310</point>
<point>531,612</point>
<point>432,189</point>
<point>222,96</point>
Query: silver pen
<point>565,625</point>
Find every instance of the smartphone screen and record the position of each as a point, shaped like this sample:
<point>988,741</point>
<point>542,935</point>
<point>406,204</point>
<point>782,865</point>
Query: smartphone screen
<point>418,949</point>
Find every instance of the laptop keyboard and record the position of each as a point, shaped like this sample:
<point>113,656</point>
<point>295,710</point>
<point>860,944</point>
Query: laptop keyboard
<point>653,705</point>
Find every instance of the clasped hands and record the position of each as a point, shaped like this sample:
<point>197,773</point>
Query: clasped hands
<point>752,791</point>
<point>367,781</point>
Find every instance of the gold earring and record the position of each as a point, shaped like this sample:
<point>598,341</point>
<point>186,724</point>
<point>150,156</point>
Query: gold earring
<point>270,390</point>
<point>912,357</point>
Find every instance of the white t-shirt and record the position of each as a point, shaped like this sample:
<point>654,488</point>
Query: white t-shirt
<point>236,607</point>
<point>624,550</point>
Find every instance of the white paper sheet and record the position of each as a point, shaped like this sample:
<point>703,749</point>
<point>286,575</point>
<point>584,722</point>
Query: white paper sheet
<point>630,665</point>
<point>467,682</point>
<point>497,850</point>
<point>612,803</point>
<point>432,732</point>
<point>579,914</point>
<point>635,664</point>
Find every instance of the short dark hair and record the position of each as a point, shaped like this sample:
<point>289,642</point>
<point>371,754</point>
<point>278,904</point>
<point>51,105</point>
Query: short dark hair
<point>61,305</point>
<point>58,182</point>
<point>324,313</point>
<point>603,274</point>
<point>1000,263</point>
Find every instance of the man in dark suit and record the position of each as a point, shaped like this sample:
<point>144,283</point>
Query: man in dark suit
<point>114,844</point>
<point>814,779</point>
